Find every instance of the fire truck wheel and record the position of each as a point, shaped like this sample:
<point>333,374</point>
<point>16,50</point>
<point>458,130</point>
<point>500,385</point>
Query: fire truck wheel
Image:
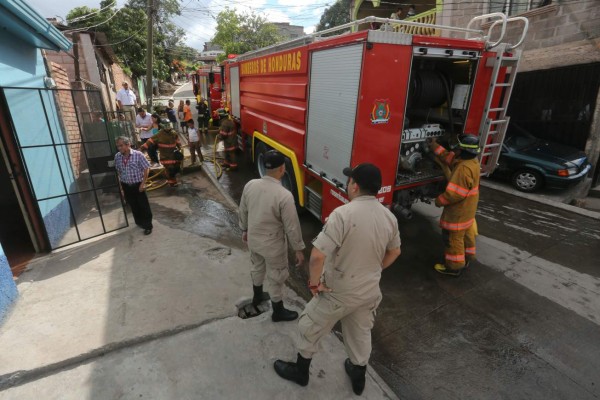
<point>259,153</point>
<point>289,181</point>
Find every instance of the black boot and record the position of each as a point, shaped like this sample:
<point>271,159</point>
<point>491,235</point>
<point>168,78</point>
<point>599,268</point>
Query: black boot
<point>295,372</point>
<point>259,295</point>
<point>357,376</point>
<point>280,313</point>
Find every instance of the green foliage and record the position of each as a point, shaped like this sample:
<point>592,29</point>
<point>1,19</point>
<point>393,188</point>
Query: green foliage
<point>240,33</point>
<point>127,33</point>
<point>336,15</point>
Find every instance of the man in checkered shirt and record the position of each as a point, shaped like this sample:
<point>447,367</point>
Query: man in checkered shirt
<point>133,168</point>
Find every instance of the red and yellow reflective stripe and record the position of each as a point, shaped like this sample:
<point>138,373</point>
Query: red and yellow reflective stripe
<point>449,158</point>
<point>473,192</point>
<point>168,162</point>
<point>470,250</point>
<point>461,191</point>
<point>455,257</point>
<point>167,146</point>
<point>456,226</point>
<point>439,150</point>
<point>443,201</point>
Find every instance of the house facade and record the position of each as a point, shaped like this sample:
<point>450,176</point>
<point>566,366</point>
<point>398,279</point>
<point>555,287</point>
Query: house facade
<point>56,187</point>
<point>24,34</point>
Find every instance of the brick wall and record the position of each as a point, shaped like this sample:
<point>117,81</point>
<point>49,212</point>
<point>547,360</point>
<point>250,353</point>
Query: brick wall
<point>559,34</point>
<point>68,115</point>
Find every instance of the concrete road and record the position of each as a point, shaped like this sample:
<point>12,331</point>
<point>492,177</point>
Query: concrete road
<point>521,324</point>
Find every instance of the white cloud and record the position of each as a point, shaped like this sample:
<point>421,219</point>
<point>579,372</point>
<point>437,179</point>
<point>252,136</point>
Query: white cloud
<point>276,15</point>
<point>310,29</point>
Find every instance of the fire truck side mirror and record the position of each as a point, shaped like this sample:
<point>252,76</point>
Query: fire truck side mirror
<point>211,77</point>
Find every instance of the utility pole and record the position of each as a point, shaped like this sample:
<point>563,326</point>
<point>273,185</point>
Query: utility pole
<point>149,56</point>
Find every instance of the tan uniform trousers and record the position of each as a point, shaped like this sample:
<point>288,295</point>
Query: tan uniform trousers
<point>324,311</point>
<point>274,266</point>
<point>459,247</point>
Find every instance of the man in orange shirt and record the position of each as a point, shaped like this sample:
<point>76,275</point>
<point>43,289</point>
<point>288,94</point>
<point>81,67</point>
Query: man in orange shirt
<point>187,113</point>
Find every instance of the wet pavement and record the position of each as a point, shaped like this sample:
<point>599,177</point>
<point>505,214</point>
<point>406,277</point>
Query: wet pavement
<point>520,324</point>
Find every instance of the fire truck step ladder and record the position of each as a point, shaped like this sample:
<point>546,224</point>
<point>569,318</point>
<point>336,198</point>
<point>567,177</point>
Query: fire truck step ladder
<point>494,121</point>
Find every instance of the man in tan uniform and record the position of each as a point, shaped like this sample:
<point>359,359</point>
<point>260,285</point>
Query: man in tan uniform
<point>460,200</point>
<point>267,217</point>
<point>358,241</point>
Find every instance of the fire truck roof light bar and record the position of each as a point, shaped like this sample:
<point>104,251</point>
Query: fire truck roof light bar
<point>368,20</point>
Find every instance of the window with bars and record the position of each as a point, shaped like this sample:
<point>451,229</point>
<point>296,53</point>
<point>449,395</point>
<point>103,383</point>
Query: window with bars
<point>514,7</point>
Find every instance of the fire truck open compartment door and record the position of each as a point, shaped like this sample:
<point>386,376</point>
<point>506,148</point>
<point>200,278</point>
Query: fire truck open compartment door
<point>334,83</point>
<point>203,87</point>
<point>234,74</point>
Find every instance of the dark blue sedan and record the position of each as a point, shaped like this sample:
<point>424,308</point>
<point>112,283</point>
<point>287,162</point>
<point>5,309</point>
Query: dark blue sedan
<point>531,163</point>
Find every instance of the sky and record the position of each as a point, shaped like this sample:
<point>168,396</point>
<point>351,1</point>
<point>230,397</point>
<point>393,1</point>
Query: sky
<point>198,16</point>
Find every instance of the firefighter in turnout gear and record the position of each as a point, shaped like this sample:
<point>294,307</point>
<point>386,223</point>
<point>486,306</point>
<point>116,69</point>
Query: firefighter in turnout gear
<point>270,223</point>
<point>460,203</point>
<point>228,134</point>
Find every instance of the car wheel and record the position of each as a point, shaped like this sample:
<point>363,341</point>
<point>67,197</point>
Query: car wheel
<point>527,180</point>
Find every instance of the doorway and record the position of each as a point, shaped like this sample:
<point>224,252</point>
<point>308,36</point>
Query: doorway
<point>14,234</point>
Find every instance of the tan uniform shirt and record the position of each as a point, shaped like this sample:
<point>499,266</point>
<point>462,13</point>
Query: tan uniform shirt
<point>355,240</point>
<point>268,213</point>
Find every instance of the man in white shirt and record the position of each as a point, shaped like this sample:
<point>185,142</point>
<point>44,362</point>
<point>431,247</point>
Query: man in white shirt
<point>126,100</point>
<point>143,121</point>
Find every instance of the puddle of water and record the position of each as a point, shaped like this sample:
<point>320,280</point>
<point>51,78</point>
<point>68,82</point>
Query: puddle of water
<point>247,310</point>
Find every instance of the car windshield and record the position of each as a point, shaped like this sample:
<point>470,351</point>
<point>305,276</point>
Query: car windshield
<point>518,138</point>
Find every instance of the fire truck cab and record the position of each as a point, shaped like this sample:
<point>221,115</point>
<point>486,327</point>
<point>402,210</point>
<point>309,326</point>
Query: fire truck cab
<point>373,96</point>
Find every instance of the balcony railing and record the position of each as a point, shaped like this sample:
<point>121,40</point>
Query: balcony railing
<point>427,17</point>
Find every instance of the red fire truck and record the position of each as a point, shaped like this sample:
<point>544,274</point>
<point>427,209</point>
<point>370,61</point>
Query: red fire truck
<point>374,96</point>
<point>207,83</point>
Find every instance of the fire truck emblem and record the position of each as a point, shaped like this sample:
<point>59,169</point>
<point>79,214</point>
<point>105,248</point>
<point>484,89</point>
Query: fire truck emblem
<point>381,112</point>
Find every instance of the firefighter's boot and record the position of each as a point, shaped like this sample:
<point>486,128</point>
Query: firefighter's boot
<point>259,295</point>
<point>280,313</point>
<point>357,376</point>
<point>442,269</point>
<point>294,371</point>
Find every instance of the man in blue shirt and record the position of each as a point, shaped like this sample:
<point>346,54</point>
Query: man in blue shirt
<point>133,168</point>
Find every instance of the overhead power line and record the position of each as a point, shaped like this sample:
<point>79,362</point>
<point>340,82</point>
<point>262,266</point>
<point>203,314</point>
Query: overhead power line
<point>122,41</point>
<point>87,16</point>
<point>93,26</point>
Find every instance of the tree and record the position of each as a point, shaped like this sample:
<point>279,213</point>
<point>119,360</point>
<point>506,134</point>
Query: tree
<point>125,29</point>
<point>336,15</point>
<point>240,33</point>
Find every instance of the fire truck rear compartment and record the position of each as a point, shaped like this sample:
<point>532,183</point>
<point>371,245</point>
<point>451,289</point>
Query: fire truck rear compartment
<point>436,107</point>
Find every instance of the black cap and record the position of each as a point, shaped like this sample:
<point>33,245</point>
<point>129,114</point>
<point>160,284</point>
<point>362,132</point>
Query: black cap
<point>367,176</point>
<point>273,159</point>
